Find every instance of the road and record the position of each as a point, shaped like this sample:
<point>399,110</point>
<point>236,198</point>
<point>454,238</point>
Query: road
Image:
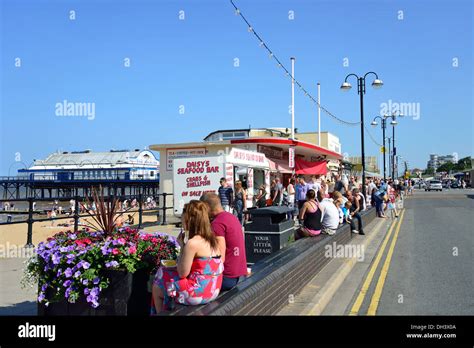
<point>426,266</point>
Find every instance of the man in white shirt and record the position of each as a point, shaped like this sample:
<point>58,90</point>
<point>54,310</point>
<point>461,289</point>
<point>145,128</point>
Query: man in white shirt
<point>330,214</point>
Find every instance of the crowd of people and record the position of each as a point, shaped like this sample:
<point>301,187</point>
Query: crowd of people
<point>320,203</point>
<point>213,256</point>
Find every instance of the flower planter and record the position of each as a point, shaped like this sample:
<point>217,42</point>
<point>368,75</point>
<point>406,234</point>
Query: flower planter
<point>127,294</point>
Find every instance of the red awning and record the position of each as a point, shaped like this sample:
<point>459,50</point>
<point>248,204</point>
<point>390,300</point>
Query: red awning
<point>310,168</point>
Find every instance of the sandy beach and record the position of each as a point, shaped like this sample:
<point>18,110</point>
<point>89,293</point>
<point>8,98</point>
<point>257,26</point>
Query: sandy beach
<point>17,234</point>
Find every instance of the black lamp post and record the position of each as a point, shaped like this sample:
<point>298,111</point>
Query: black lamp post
<point>384,126</point>
<point>394,122</point>
<point>377,83</point>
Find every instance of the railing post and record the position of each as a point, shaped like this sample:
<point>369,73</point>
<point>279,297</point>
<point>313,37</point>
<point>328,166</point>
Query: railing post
<point>76,213</point>
<point>140,210</point>
<point>163,220</point>
<point>29,238</point>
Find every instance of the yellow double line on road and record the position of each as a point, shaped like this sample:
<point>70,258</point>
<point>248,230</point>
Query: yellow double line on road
<point>383,274</point>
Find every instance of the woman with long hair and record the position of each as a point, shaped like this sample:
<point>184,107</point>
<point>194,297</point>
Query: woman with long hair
<point>310,217</point>
<point>197,277</point>
<point>240,201</point>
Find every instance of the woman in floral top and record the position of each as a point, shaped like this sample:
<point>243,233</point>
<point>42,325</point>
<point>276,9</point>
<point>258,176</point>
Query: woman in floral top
<point>197,277</point>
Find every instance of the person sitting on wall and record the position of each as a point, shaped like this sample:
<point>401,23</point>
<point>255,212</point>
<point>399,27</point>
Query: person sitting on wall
<point>310,217</point>
<point>330,218</point>
<point>197,276</point>
<point>228,231</point>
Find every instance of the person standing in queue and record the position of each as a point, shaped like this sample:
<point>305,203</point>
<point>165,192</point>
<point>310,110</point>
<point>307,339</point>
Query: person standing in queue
<point>230,238</point>
<point>226,195</point>
<point>301,190</point>
<point>240,201</point>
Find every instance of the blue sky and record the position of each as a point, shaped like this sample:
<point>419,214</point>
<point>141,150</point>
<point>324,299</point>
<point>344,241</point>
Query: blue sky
<point>190,62</point>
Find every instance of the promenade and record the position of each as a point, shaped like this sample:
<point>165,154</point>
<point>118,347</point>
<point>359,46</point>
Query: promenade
<point>419,264</point>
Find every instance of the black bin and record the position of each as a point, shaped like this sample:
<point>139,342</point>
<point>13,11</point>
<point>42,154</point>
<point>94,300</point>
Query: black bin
<point>268,232</point>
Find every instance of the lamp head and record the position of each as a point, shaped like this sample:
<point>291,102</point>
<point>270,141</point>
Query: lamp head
<point>393,123</point>
<point>377,83</point>
<point>374,123</point>
<point>346,86</point>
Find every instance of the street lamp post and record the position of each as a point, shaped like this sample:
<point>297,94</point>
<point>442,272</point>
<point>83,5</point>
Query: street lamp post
<point>389,154</point>
<point>394,122</point>
<point>361,91</point>
<point>384,126</point>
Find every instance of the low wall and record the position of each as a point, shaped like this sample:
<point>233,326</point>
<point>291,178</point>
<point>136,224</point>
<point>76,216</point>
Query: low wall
<point>276,277</point>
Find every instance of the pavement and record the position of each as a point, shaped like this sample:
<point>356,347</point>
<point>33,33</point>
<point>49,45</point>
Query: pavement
<point>420,264</point>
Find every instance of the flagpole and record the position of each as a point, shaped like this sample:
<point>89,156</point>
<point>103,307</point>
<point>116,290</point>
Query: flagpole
<point>319,114</point>
<point>292,98</point>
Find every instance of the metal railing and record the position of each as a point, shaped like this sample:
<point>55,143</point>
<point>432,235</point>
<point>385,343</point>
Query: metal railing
<point>69,176</point>
<point>76,213</point>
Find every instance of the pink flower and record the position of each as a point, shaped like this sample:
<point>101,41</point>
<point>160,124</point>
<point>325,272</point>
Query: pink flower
<point>132,250</point>
<point>115,251</point>
<point>121,241</point>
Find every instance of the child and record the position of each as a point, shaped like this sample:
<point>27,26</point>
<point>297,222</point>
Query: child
<point>346,211</point>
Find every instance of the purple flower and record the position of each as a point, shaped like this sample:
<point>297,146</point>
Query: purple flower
<point>67,283</point>
<point>95,291</point>
<point>105,250</point>
<point>68,292</point>
<point>111,264</point>
<point>44,287</point>
<point>56,258</point>
<point>41,297</point>
<point>60,271</point>
<point>63,249</point>
<point>85,282</point>
<point>96,280</point>
<point>86,291</point>
<point>68,272</point>
<point>86,265</point>
<point>77,274</point>
<point>72,236</point>
<point>51,243</point>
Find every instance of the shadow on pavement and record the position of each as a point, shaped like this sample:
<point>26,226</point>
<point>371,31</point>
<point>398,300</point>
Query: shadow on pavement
<point>470,196</point>
<point>22,308</point>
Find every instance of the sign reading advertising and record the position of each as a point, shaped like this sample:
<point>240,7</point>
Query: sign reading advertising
<point>270,152</point>
<point>247,158</point>
<point>171,154</point>
<point>291,157</point>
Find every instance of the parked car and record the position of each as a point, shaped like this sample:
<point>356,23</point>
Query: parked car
<point>434,185</point>
<point>455,184</point>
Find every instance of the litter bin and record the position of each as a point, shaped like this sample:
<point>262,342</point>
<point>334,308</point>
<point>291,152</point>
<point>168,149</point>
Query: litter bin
<point>268,232</point>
